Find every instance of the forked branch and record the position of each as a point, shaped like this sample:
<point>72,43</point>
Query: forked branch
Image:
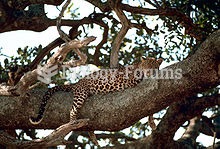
<point>53,139</point>
<point>57,59</point>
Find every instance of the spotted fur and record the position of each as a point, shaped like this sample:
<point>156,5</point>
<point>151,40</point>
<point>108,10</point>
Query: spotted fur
<point>102,81</point>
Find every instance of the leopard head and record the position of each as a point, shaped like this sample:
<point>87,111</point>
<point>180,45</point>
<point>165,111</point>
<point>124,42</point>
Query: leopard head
<point>149,65</point>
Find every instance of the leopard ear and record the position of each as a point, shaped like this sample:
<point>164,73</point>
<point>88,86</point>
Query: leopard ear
<point>159,61</point>
<point>143,59</point>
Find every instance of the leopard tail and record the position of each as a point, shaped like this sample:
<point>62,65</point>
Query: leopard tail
<point>46,97</point>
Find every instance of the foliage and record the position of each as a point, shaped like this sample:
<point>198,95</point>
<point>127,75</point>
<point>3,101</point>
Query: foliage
<point>23,57</point>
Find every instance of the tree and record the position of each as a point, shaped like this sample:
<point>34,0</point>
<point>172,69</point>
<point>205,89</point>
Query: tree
<point>191,34</point>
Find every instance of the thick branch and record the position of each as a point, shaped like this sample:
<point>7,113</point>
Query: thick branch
<point>119,110</point>
<point>24,20</point>
<point>39,23</point>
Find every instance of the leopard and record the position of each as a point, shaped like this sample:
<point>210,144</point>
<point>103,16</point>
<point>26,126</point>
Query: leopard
<point>102,81</point>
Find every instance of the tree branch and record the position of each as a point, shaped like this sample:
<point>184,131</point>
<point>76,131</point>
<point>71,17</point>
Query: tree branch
<point>176,115</point>
<point>46,50</point>
<point>24,3</point>
<point>190,28</point>
<point>97,53</point>
<point>26,21</point>
<point>30,78</point>
<point>192,131</point>
<point>120,36</point>
<point>119,110</point>
<point>63,35</point>
<point>55,138</point>
<point>142,26</point>
<point>5,90</point>
<point>180,112</point>
<point>155,4</point>
<point>103,6</point>
<point>107,136</point>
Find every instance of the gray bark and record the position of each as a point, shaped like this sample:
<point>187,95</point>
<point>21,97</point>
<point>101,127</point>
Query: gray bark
<point>119,110</point>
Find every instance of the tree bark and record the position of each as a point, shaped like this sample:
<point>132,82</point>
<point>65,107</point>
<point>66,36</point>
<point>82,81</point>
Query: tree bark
<point>115,111</point>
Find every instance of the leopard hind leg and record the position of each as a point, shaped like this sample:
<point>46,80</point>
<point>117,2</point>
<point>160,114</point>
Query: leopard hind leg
<point>77,104</point>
